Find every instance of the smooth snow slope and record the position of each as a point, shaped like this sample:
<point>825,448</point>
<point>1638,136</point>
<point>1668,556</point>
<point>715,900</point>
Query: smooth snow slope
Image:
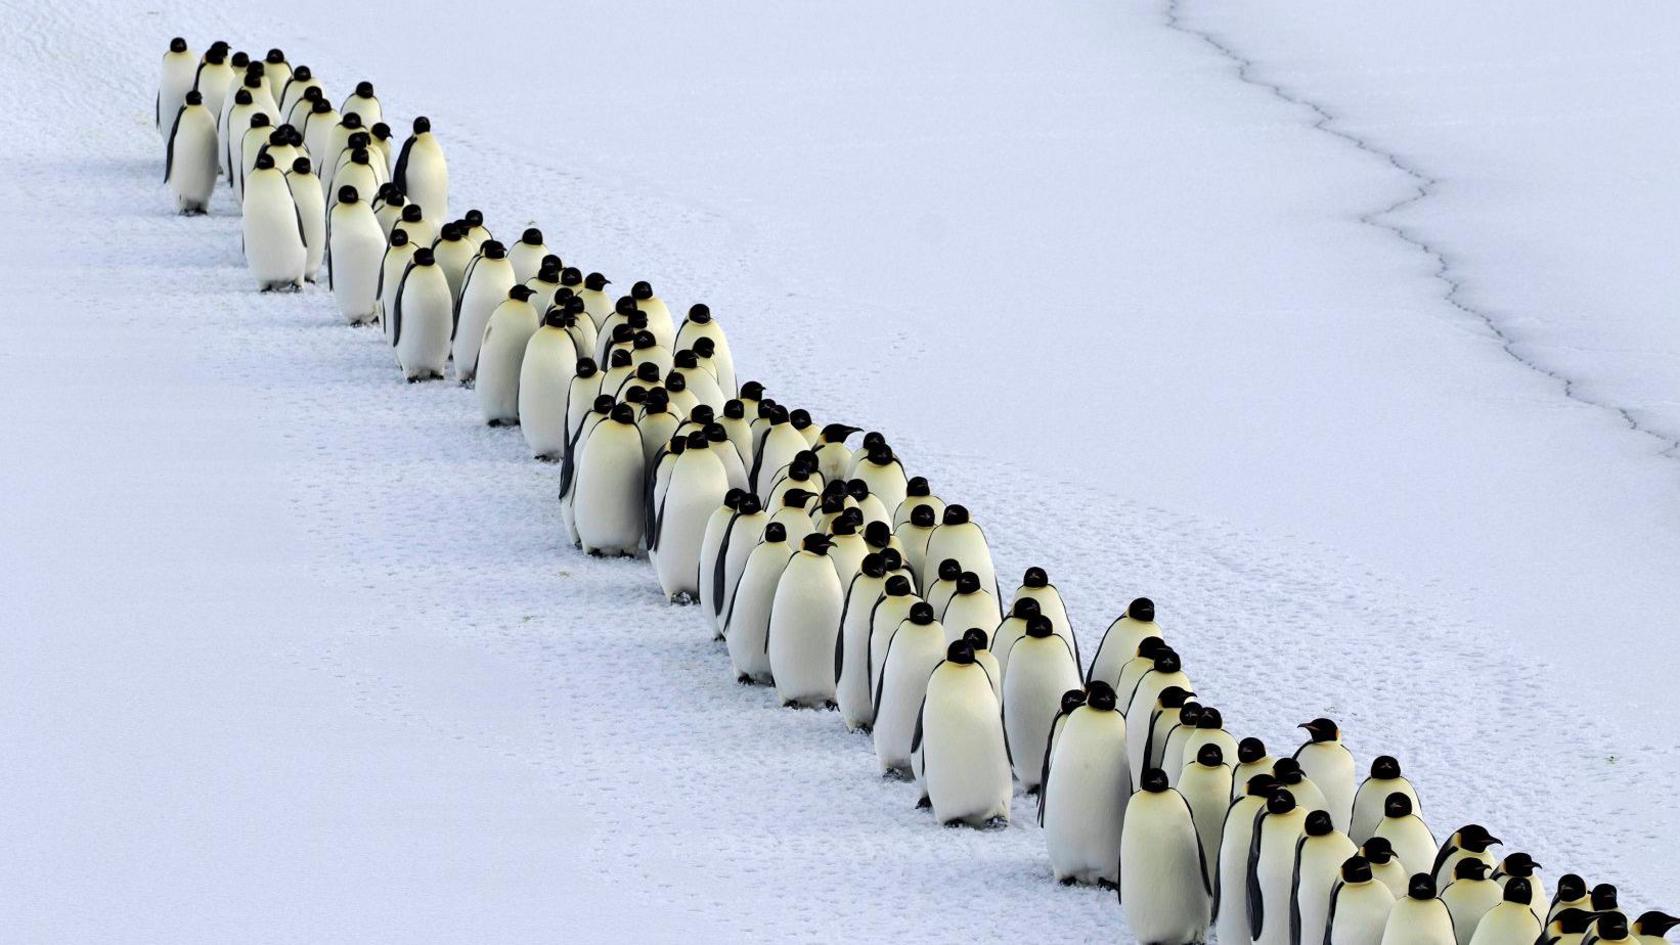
<point>298,655</point>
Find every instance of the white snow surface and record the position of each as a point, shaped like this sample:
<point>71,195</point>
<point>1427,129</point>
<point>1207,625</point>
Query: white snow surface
<point>293,651</point>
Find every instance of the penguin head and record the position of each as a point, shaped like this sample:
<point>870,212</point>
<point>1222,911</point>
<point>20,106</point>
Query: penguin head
<point>922,516</point>
<point>704,347</point>
<point>899,586</point>
<point>240,60</point>
<point>674,382</point>
<point>399,236</point>
<point>595,282</point>
<point>1280,801</point>
<point>1378,850</point>
<point>177,45</point>
<point>1470,868</point>
<point>641,291</point>
<point>219,46</point>
<point>878,534</point>
<point>686,360</point>
<point>1154,781</point>
<point>1150,647</point>
<point>1288,771</point>
<point>880,455</point>
<point>473,218</point>
<point>1397,805</point>
<point>603,404</point>
<point>571,277</point>
<point>1035,578</point>
<point>1574,921</point>
<point>636,394</point>
<point>422,125</point>
<point>1039,627</point>
<point>949,570</point>
<point>1167,661</point>
<point>625,305</point>
<point>253,80</point>
<point>423,257</point>
<point>1189,714</point>
<point>1385,768</point>
<point>1261,785</point>
<point>844,524</point>
<point>892,558</point>
<point>1571,887</point>
<point>657,402</point>
<point>1421,886</point>
<point>1210,755</point>
<point>1250,750</point>
<point>775,532</point>
<point>968,582</point>
<point>215,56</point>
<point>321,105</point>
<point>916,486</point>
<point>521,293</point>
<point>450,232</point>
<point>1603,897</point>
<point>359,153</point>
<point>752,390</point>
<point>265,162</point>
<point>275,57</point>
<point>243,97</point>
<point>1612,926</point>
<point>1356,869</point>
<point>1212,719</point>
<point>364,89</point>
<point>1141,609</point>
<point>1074,698</point>
<point>832,504</point>
<point>531,237</point>
<point>1321,730</point>
<point>493,249</point>
<point>796,498</point>
<point>817,543</point>
<point>873,566</point>
<point>312,95</point>
<point>1519,891</point>
<point>960,652</point>
<point>1653,922</point>
<point>1173,697</point>
<point>1319,823</point>
<point>619,359</point>
<point>732,498</point>
<point>303,74</point>
<point>1025,608</point>
<point>837,432</point>
<point>350,120</point>
<point>621,334</point>
<point>699,313</point>
<point>955,515</point>
<point>1518,864</point>
<point>750,505</point>
<point>976,638</point>
<point>702,414</point>
<point>799,417</point>
<point>921,613</point>
<point>390,193</point>
<point>413,213</point>
<point>553,318</point>
<point>1476,839</point>
<point>348,195</point>
<point>644,340</point>
<point>381,131</point>
<point>195,97</point>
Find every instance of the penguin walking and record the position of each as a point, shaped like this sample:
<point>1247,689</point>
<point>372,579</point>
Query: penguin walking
<point>1469,842</point>
<point>1163,879</point>
<point>499,360</point>
<point>1085,791</point>
<point>312,214</point>
<point>422,172</point>
<point>1147,723</point>
<point>1036,586</point>
<point>958,750</point>
<point>215,81</point>
<point>484,289</point>
<point>977,639</point>
<point>454,254</point>
<point>190,163</point>
<point>388,206</point>
<point>804,624</point>
<point>1522,866</point>
<point>1072,699</point>
<point>1368,801</point>
<point>1359,906</point>
<point>1319,856</point>
<point>608,497</point>
<point>1470,895</point>
<point>1230,891</point>
<point>1120,642</point>
<point>1512,921</point>
<point>274,242</point>
<point>851,652</point>
<point>1307,794</point>
<point>180,68</point>
<point>711,551</point>
<point>1041,668</point>
<point>548,398</point>
<point>1271,868</point>
<point>1205,783</point>
<point>420,319</point>
<point>1172,751</point>
<point>275,71</point>
<point>910,654</point>
<point>1408,835</point>
<point>1011,629</point>
<point>747,626</point>
<point>914,534</point>
<point>697,486</point>
<point>917,491</point>
<point>1419,918</point>
<point>1328,763</point>
<point>355,246</point>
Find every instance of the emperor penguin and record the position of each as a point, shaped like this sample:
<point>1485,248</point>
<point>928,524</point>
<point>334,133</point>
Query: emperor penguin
<point>1368,801</point>
<point>1120,641</point>
<point>546,382</point>
<point>1568,927</point>
<point>898,598</point>
<point>697,379</point>
<point>1406,832</point>
<point>1143,711</point>
<point>249,128</point>
<point>233,97</point>
<point>312,214</point>
<point>1419,918</point>
<point>781,443</point>
<point>977,638</point>
<point>274,247</point>
<point>847,547</point>
<point>958,749</point>
<point>734,421</point>
<point>801,420</point>
<point>1271,868</point>
<point>1012,628</point>
<point>584,388</point>
<point>388,206</point>
<point>422,172</point>
<point>740,537</point>
<point>794,514</point>
<point>476,232</point>
<point>1385,866</point>
<point>659,314</point>
<point>1139,666</point>
<point>1469,842</point>
<point>1036,586</point>
<point>1651,928</point>
<point>1041,668</point>
<point>1522,866</point>
<point>1086,786</point>
<point>1147,727</point>
<point>701,324</point>
<point>718,438</point>
<point>1469,896</point>
<point>1307,794</point>
<point>746,627</point>
<point>972,605</point>
<point>917,492</point>
<point>1603,904</point>
<point>419,226</point>
<point>499,361</point>
<point>453,254</point>
<point>1210,730</point>
<point>275,71</point>
<point>297,112</point>
<point>851,651</point>
<point>180,67</point>
<point>1163,879</point>
<point>291,91</point>
<point>1611,929</point>
<point>1571,894</point>
<point>608,497</point>
<point>1319,856</point>
<point>711,547</point>
<point>596,300</point>
<point>1328,763</point>
<point>959,537</point>
<point>880,538</point>
<point>354,250</point>
<point>1230,891</point>
<point>834,458</point>
<point>365,103</point>
<point>1072,699</point>
<point>909,655</point>
<point>1205,782</point>
<point>190,162</point>
<point>914,534</point>
<point>317,129</point>
<point>1252,761</point>
<point>1172,749</point>
<point>944,585</point>
<point>697,487</point>
<point>379,143</point>
<point>884,475</point>
<point>215,81</point>
<point>484,288</point>
<point>1512,921</point>
<point>804,624</point>
<point>420,319</point>
<point>356,170</point>
<point>1359,906</point>
<point>399,252</point>
<point>338,147</point>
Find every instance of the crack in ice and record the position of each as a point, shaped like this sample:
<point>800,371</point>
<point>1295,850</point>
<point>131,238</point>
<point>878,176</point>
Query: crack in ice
<point>1423,186</point>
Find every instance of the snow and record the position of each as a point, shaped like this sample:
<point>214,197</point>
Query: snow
<point>292,650</point>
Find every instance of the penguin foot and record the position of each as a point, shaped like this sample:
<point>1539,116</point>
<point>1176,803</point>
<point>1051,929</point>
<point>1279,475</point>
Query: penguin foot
<point>1068,881</point>
<point>684,598</point>
<point>1106,884</point>
<point>744,680</point>
<point>927,804</point>
<point>594,553</point>
<point>499,422</point>
<point>831,706</point>
<point>1031,792</point>
<point>543,458</point>
<point>897,774</point>
<point>193,212</point>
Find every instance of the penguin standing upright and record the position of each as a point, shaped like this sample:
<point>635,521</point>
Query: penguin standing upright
<point>1571,894</point>
<point>546,375</point>
<point>1307,794</point>
<point>399,252</point>
<point>884,475</point>
<point>1210,730</point>
<point>190,162</point>
<point>454,254</point>
<point>1407,834</point>
<point>1319,856</point>
<point>1230,891</point>
<point>484,288</point>
<point>851,652</point>
<point>1252,761</point>
<point>1036,586</point>
<point>1611,929</point>
<point>354,248</point>
<point>747,624</point>
<point>1329,765</point>
<point>292,90</point>
<point>1163,878</point>
<point>804,624</point>
<point>312,214</point>
<point>422,172</point>
<point>740,537</point>
<point>1512,921</point>
<point>1041,668</point>
<point>834,458</point>
<point>1120,641</point>
<point>1205,782</point>
<point>697,486</point>
<point>973,605</point>
<point>1522,866</point>
<point>958,750</point>
<point>180,67</point>
<point>1469,896</point>
<point>608,494</point>
<point>960,538</point>
<point>1072,699</point>
<point>1359,906</point>
<point>275,72</point>
<point>1469,842</point>
<point>780,445</point>
<point>917,493</point>
<point>388,206</point>
<point>700,324</point>
<point>1172,757</point>
<point>1368,801</point>
<point>580,393</point>
<point>1012,628</point>
<point>1271,868</point>
<point>1650,928</point>
<point>1419,918</point>
<point>910,654</point>
<point>1155,702</point>
<point>1568,927</point>
<point>420,319</point>
<point>898,598</point>
<point>365,103</point>
<point>274,249</point>
<point>215,81</point>
<point>711,551</point>
<point>499,360</point>
<point>1086,787</point>
<point>1386,868</point>
<point>317,129</point>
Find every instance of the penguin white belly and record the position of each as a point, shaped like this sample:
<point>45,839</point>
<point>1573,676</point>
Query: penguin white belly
<point>1508,923</point>
<point>1208,792</point>
<point>1319,870</point>
<point>500,360</point>
<point>179,71</point>
<point>1231,923</point>
<point>1118,647</point>
<point>1161,872</point>
<point>426,178</point>
<point>711,547</point>
<point>739,542</point>
<point>420,327</point>
<point>1085,798</point>
<point>1361,914</point>
<point>608,497</point>
<point>1040,671</point>
<point>884,619</point>
<point>1413,844</point>
<point>964,763</point>
<point>545,381</point>
<point>749,611</point>
<point>696,489</point>
<point>804,621</point>
<point>485,290</point>
<point>391,268</point>
<point>780,445</point>
<point>356,247</point>
<point>1275,872</point>
<point>1418,922</point>
<point>980,609</point>
<point>1050,605</point>
<point>312,213</point>
<point>1468,901</point>
<point>1330,767</point>
<point>852,690</point>
<point>192,160</point>
<point>274,249</point>
<point>911,653</point>
<point>967,544</point>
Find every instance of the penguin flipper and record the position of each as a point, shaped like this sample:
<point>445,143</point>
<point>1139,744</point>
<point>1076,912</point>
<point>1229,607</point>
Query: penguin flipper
<point>466,280</point>
<point>1201,851</point>
<point>329,251</point>
<point>1447,849</point>
<point>169,154</point>
<point>1256,901</point>
<point>399,176</point>
<point>875,697</point>
<point>1330,916</point>
<point>1295,895</point>
<point>396,310</point>
<point>840,641</point>
<point>1044,771</point>
<point>916,739</point>
<point>718,566</point>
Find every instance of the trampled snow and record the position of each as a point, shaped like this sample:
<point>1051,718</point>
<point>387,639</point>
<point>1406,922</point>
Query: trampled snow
<point>294,651</point>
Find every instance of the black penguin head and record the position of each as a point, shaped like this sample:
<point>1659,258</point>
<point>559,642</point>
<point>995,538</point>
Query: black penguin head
<point>555,318</point>
<point>799,417</point>
<point>817,543</point>
<point>294,137</point>
<point>265,162</point>
<point>359,155</point>
<point>413,213</point>
<point>1025,608</point>
<point>352,121</point>
<point>1476,839</point>
<point>621,334</point>
<point>832,504</point>
<point>976,638</point>
<point>1653,922</point>
<point>1190,713</point>
<point>1280,801</point>
<point>1571,887</point>
<point>702,414</point>
<point>775,532</point>
<point>531,237</point>
<point>637,394</point>
<point>949,569</point>
<point>1470,868</point>
<point>571,277</point>
<point>674,382</point>
<point>381,131</point>
<point>241,60</point>
<point>1518,864</point>
<point>916,486</point>
<point>1319,823</point>
<point>423,257</point>
<point>474,218</point>
<point>955,515</point>
<point>855,488</point>
<point>732,499</point>
<point>1356,869</point>
<point>625,305</point>
<point>347,194</point>
<point>1035,578</point>
<point>1172,697</point>
<point>1574,921</point>
<point>922,516</point>
<point>595,282</point>
<point>1211,719</point>
<point>704,347</point>
<point>275,57</point>
<point>750,505</point>
<point>658,400</point>
<point>899,586</point>
<point>960,653</point>
<point>1250,750</point>
<point>1378,850</point>
<point>1603,897</point>
<point>1385,768</point>
<point>177,45</point>
<point>641,291</point>
<point>1287,771</point>
<point>921,613</point>
<point>644,340</point>
<point>364,89</point>
<point>1211,756</point>
<point>796,498</point>
<point>752,390</point>
<point>521,293</point>
<point>1167,662</point>
<point>686,360</point>
<point>302,74</point>
<point>1142,609</point>
<point>253,80</point>
<point>1519,891</point>
<point>215,56</point>
<point>1612,926</point>
<point>422,125</point>
<point>603,404</point>
<point>321,106</point>
<point>699,313</point>
<point>878,534</point>
<point>195,97</point>
<point>493,249</point>
<point>1397,805</point>
<point>1154,781</point>
<point>399,236</point>
<point>1421,886</point>
<point>450,232</point>
<point>1261,785</point>
<point>873,566</point>
<point>1040,627</point>
<point>1074,698</point>
<point>880,455</point>
<point>1321,730</point>
<point>968,583</point>
<point>219,46</point>
<point>1150,647</point>
<point>619,359</point>
<point>390,193</point>
<point>243,97</point>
